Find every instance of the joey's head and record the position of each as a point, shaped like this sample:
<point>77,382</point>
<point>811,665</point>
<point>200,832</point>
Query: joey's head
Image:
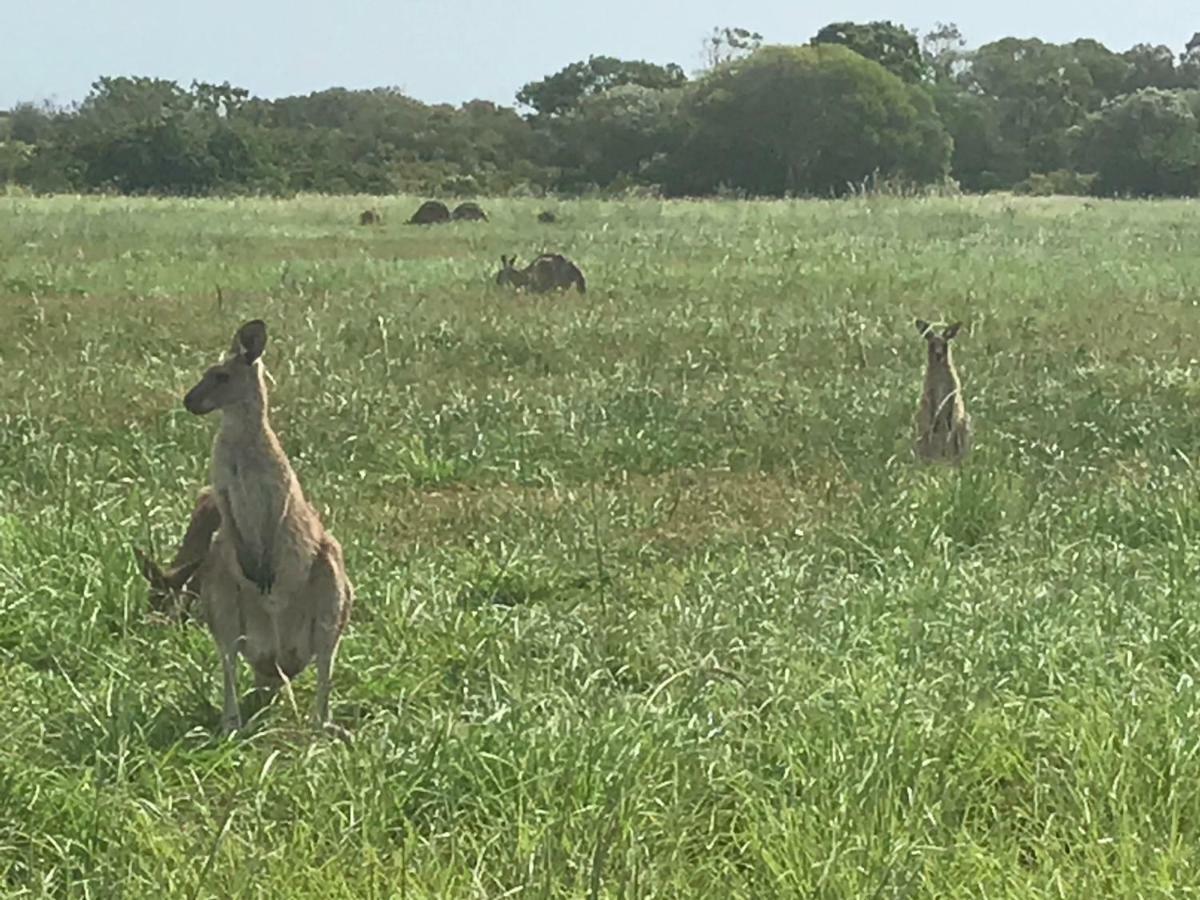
<point>235,378</point>
<point>938,344</point>
<point>169,589</point>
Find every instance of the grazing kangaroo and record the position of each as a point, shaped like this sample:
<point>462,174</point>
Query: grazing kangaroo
<point>274,585</point>
<point>943,426</point>
<point>469,212</point>
<point>173,590</point>
<point>431,212</point>
<point>546,217</point>
<point>370,217</point>
<point>549,272</point>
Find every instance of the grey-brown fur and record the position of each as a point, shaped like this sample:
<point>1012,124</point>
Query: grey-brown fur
<point>370,217</point>
<point>468,212</point>
<point>549,272</point>
<point>431,212</point>
<point>943,425</point>
<point>273,585</point>
<point>173,590</point>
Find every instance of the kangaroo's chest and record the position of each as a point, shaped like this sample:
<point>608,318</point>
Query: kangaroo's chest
<point>942,396</point>
<point>253,489</point>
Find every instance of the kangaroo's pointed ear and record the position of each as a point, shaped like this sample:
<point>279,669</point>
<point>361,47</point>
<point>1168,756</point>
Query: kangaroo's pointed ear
<point>150,570</point>
<point>950,332</point>
<point>923,328</point>
<point>251,340</point>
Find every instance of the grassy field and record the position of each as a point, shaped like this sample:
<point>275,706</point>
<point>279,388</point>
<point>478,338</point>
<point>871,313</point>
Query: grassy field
<point>652,600</point>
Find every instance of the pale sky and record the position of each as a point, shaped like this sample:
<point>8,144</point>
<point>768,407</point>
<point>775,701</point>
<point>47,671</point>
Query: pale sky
<point>456,50</point>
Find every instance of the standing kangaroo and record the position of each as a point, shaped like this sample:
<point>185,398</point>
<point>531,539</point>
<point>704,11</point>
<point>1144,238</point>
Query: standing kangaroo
<point>273,585</point>
<point>943,426</point>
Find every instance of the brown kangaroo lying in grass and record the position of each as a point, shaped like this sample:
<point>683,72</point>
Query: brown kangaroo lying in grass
<point>431,212</point>
<point>549,272</point>
<point>468,212</point>
<point>943,426</point>
<point>273,586</point>
<point>173,590</point>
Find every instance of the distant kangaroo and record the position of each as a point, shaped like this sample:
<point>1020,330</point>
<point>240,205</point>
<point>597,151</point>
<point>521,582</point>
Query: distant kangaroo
<point>173,590</point>
<point>370,217</point>
<point>549,272</point>
<point>431,212</point>
<point>469,212</point>
<point>943,426</point>
<point>273,586</point>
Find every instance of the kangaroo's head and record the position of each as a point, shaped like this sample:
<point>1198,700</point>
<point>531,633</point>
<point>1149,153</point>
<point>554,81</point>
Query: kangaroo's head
<point>509,275</point>
<point>939,344</point>
<point>236,377</point>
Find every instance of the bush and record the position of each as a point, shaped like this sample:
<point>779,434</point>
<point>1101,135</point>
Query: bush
<point>807,120</point>
<point>1142,144</point>
<point>1061,182</point>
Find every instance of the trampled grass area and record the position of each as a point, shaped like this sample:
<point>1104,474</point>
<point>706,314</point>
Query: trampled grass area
<point>652,600</point>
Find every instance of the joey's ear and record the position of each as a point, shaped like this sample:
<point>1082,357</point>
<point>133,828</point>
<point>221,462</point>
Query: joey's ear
<point>950,332</point>
<point>923,328</point>
<point>251,340</point>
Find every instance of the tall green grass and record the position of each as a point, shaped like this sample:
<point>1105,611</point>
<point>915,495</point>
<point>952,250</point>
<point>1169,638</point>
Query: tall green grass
<point>652,599</point>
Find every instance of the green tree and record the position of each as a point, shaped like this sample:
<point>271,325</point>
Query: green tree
<point>139,135</point>
<point>1035,92</point>
<point>892,46</point>
<point>148,135</point>
<point>943,49</point>
<point>726,44</point>
<point>617,135</point>
<point>973,125</point>
<point>1150,66</point>
<point>14,156</point>
<point>807,120</point>
<point>1144,144</point>
<point>558,93</point>
<point>30,124</point>
<point>1189,63</point>
<point>1107,72</point>
<point>223,99</point>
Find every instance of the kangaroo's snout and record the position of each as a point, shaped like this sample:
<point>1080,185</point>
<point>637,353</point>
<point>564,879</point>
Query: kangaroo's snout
<point>195,402</point>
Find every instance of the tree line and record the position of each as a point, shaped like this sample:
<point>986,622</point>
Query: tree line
<point>860,104</point>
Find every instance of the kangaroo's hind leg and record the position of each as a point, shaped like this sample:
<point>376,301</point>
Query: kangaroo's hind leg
<point>220,601</point>
<point>331,598</point>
